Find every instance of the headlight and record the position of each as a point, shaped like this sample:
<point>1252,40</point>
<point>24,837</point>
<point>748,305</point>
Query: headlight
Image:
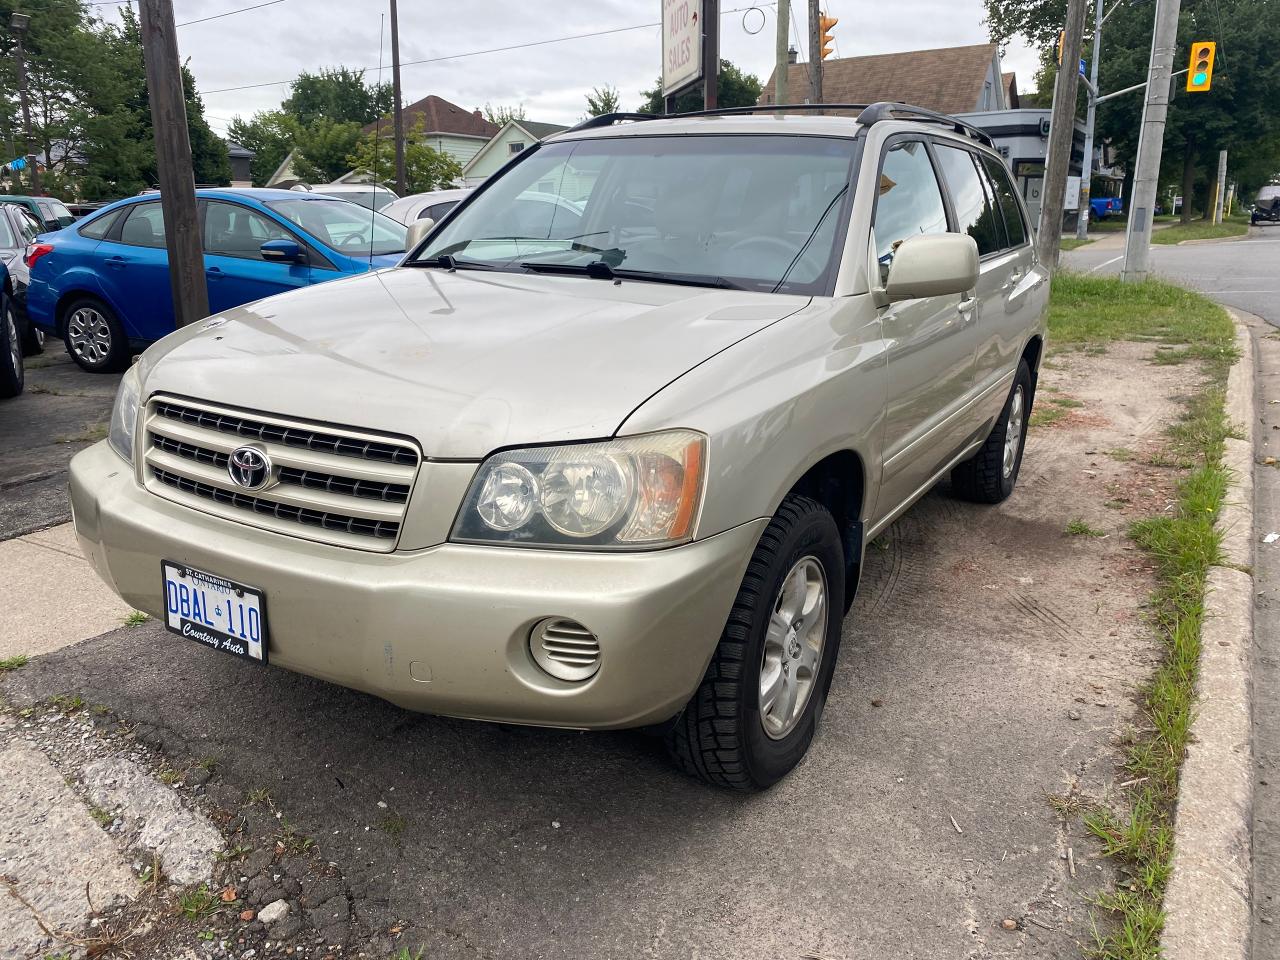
<point>631,493</point>
<point>124,415</point>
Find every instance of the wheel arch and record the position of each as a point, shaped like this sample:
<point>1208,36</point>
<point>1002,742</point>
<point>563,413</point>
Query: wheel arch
<point>67,298</point>
<point>1032,353</point>
<point>839,482</point>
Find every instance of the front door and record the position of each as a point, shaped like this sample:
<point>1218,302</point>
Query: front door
<point>233,263</point>
<point>930,342</point>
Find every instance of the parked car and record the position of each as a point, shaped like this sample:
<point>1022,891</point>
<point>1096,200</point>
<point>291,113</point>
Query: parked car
<point>432,205</point>
<point>82,210</point>
<point>617,469</point>
<point>17,231</point>
<point>50,212</point>
<point>12,373</point>
<point>370,195</point>
<point>1266,207</point>
<point>1102,207</point>
<point>103,285</point>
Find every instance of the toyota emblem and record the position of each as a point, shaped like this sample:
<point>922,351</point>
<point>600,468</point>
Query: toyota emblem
<point>249,467</point>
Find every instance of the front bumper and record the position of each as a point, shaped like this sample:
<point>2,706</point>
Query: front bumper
<point>442,630</point>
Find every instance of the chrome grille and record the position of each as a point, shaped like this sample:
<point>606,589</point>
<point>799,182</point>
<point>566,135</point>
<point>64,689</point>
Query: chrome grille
<point>334,485</point>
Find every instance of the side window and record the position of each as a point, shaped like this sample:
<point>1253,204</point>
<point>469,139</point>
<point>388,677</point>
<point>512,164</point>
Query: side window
<point>231,230</point>
<point>7,239</point>
<point>974,215</point>
<point>143,226</point>
<point>1009,206</point>
<point>910,201</point>
<point>438,210</point>
<point>98,227</point>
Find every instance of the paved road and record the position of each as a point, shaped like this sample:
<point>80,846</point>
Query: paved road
<point>61,412</point>
<point>1246,274</point>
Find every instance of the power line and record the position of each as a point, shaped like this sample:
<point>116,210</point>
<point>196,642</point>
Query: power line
<point>476,53</point>
<point>230,13</point>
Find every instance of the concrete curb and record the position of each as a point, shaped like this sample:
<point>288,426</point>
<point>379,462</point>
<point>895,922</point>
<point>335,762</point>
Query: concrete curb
<point>1207,903</point>
<point>1192,243</point>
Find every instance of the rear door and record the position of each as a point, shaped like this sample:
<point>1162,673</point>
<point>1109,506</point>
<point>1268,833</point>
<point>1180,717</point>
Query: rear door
<point>233,263</point>
<point>133,268</point>
<point>930,356</point>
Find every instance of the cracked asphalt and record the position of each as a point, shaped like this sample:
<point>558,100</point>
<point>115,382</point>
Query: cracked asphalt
<point>989,665</point>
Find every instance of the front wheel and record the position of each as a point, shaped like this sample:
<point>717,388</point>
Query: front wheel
<point>754,715</point>
<point>990,475</point>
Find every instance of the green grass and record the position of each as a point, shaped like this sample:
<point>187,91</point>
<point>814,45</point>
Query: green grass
<point>197,903</point>
<point>1199,230</point>
<point>1052,406</point>
<point>1074,243</point>
<point>136,619</point>
<point>1184,546</point>
<point>15,662</point>
<point>404,953</point>
<point>1078,528</point>
<point>1110,225</point>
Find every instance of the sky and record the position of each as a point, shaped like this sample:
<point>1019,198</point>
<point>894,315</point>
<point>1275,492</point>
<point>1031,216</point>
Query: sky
<point>277,40</point>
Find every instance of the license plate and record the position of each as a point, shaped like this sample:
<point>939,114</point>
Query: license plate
<point>214,611</point>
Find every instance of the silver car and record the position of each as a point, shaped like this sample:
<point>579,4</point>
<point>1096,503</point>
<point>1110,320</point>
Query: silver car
<point>610,469</point>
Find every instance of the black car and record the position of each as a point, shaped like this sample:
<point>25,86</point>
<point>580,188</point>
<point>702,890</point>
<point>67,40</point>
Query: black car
<point>17,229</point>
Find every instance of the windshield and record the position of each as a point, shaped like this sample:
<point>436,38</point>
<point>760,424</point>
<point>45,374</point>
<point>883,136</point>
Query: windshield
<point>346,227</point>
<point>758,212</point>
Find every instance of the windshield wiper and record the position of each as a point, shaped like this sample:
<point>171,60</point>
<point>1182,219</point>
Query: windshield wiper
<point>449,262</point>
<point>600,270</point>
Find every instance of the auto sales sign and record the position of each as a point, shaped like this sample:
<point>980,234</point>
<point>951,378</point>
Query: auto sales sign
<point>681,44</point>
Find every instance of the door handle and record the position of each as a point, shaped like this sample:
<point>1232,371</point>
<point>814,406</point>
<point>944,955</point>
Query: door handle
<point>116,262</point>
<point>213,273</point>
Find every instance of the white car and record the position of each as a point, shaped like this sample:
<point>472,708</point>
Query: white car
<point>432,205</point>
<point>371,195</point>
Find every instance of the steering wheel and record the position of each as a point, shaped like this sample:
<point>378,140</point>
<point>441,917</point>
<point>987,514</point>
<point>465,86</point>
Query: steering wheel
<point>353,238</point>
<point>778,244</point>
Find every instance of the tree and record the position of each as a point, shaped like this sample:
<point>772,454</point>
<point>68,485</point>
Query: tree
<point>425,168</point>
<point>269,134</point>
<point>322,149</point>
<point>338,94</point>
<point>736,89</point>
<point>602,100</point>
<point>503,115</point>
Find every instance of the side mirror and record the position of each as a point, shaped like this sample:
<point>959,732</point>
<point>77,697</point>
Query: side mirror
<point>932,265</point>
<point>283,251</point>
<point>418,231</point>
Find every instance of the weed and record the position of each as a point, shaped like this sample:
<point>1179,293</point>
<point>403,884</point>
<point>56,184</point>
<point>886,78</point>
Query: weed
<point>99,815</point>
<point>1121,454</point>
<point>290,841</point>
<point>257,796</point>
<point>1078,528</point>
<point>168,775</point>
<point>136,619</point>
<point>1043,415</point>
<point>67,704</point>
<point>14,663</point>
<point>404,953</point>
<point>197,903</point>
<point>1116,504</point>
<point>208,764</point>
<point>237,852</point>
<point>393,826</point>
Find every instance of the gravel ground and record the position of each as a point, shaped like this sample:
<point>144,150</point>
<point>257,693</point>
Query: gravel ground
<point>989,668</point>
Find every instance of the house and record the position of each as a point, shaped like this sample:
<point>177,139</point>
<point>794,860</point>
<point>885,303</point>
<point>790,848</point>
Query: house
<point>240,157</point>
<point>514,137</point>
<point>949,79</point>
<point>445,127</point>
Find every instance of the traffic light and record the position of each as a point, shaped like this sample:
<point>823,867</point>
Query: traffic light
<point>1200,74</point>
<point>825,40</point>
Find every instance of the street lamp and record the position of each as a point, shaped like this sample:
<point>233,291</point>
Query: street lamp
<point>19,22</point>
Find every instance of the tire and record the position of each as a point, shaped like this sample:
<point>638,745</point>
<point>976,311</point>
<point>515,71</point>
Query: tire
<point>990,475</point>
<point>12,376</point>
<point>731,734</point>
<point>94,337</point>
<point>32,340</point>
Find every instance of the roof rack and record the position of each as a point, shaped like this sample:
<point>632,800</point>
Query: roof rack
<point>885,110</point>
<point>868,114</point>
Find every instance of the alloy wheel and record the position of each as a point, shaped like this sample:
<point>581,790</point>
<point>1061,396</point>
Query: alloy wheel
<point>90,335</point>
<point>1013,431</point>
<point>793,647</point>
<point>15,345</point>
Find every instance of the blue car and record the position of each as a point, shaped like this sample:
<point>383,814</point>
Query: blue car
<point>102,284</point>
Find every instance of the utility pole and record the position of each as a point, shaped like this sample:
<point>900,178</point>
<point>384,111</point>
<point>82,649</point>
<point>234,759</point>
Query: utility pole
<point>1086,174</point>
<point>398,115</point>
<point>1146,178</point>
<point>815,52</point>
<point>1062,131</point>
<point>19,22</point>
<point>173,161</point>
<point>710,54</point>
<point>782,62</point>
<point>1220,197</point>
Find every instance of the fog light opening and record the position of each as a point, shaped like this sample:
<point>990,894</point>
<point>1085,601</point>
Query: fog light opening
<point>565,649</point>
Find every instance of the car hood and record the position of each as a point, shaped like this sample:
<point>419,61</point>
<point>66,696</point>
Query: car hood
<point>463,362</point>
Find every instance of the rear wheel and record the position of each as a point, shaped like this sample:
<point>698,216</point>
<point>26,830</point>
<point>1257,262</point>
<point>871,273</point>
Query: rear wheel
<point>990,475</point>
<point>32,340</point>
<point>95,339</point>
<point>755,714</point>
<point>11,371</point>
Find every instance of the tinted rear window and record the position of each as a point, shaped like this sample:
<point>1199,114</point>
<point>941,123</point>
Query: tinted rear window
<point>99,226</point>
